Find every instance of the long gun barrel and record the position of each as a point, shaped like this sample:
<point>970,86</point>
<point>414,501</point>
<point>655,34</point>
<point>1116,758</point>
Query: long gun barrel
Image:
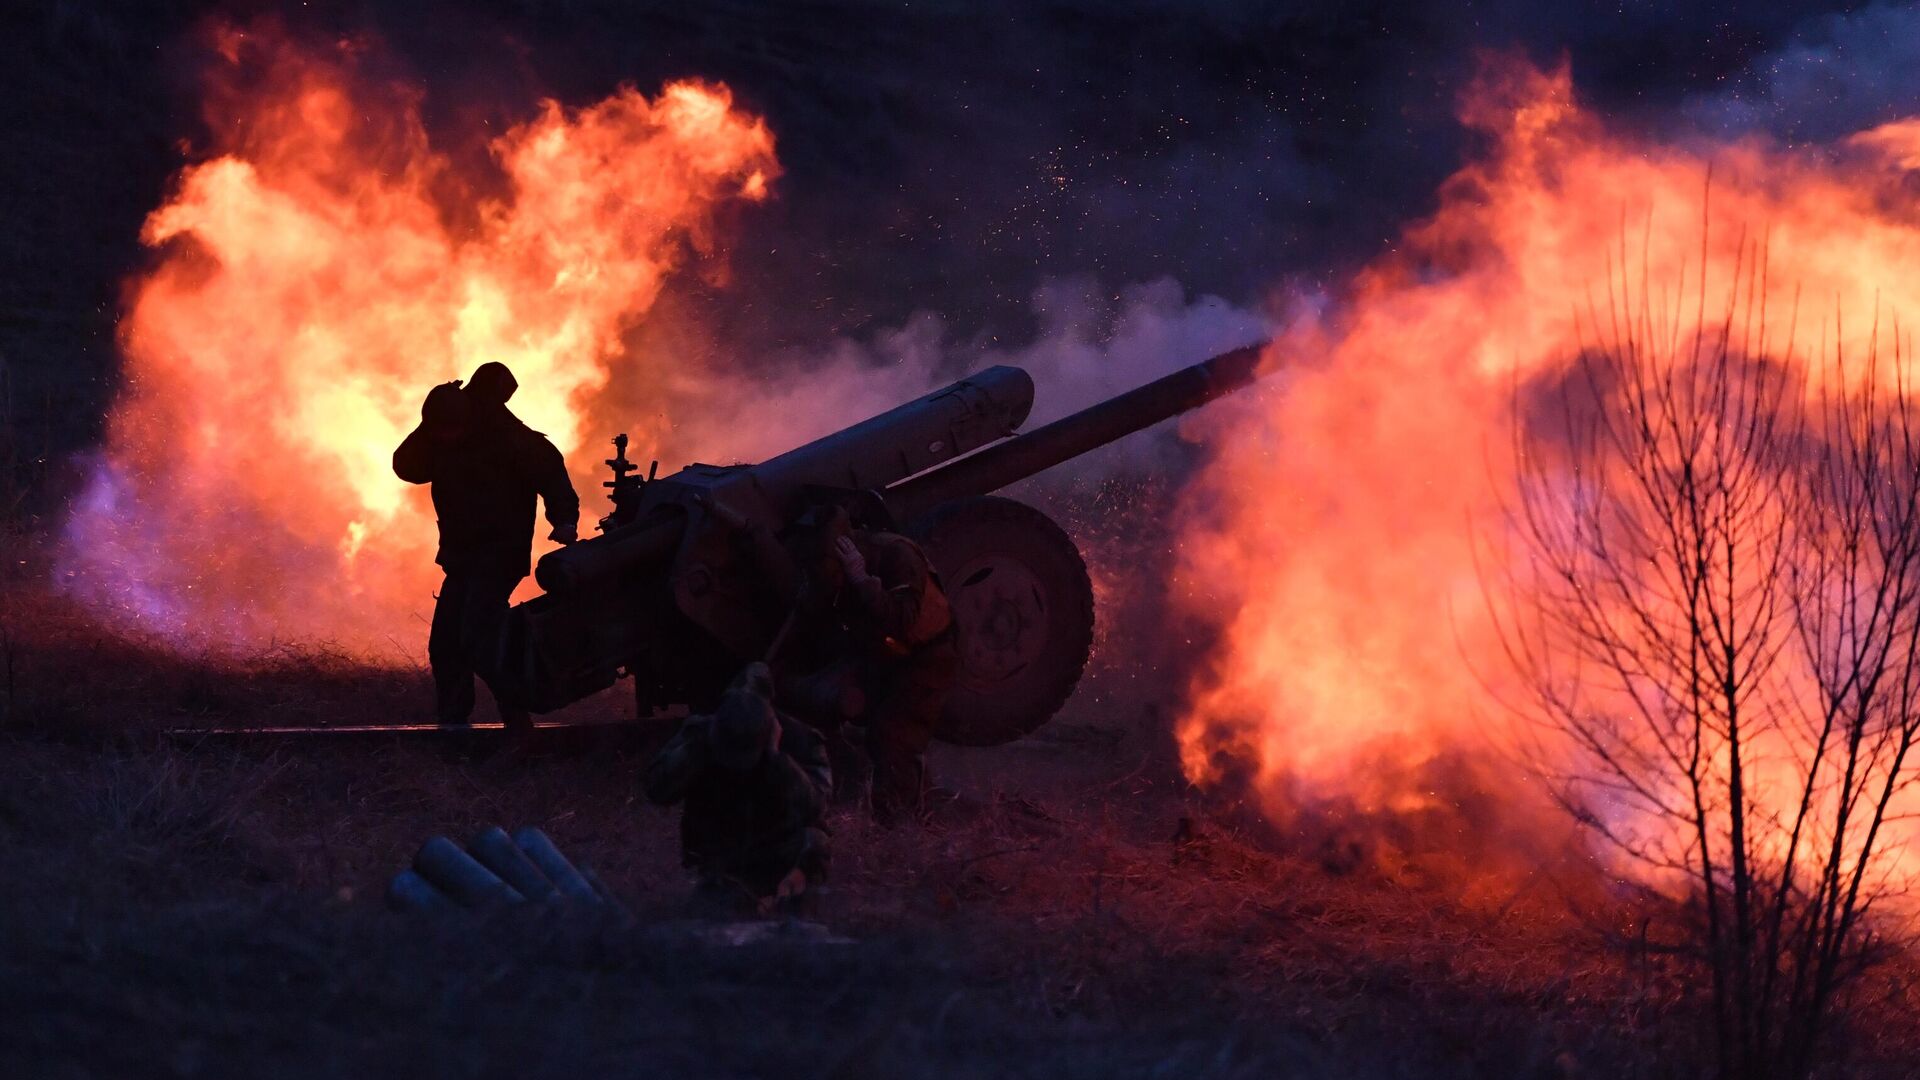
<point>982,408</point>
<point>1022,456</point>
<point>668,577</point>
<point>917,456</point>
<point>929,431</point>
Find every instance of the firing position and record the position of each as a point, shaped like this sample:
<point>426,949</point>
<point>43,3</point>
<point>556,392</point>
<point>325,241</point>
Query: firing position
<point>754,788</point>
<point>876,595</point>
<point>486,468</point>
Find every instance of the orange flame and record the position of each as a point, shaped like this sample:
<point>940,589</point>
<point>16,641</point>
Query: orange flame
<point>1340,519</point>
<point>316,275</point>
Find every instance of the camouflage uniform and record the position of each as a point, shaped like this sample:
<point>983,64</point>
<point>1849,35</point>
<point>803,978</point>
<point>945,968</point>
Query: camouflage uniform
<point>485,479</point>
<point>746,825</point>
<point>903,638</point>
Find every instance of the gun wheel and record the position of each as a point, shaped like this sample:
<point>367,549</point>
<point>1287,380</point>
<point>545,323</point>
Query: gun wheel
<point>1023,607</point>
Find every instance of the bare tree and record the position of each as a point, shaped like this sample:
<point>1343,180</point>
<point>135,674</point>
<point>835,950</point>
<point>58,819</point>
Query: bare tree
<point>1716,615</point>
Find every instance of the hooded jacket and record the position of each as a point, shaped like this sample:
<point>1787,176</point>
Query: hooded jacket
<point>484,486</point>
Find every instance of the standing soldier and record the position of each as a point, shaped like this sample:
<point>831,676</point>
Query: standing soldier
<point>896,632</point>
<point>754,788</point>
<point>486,468</point>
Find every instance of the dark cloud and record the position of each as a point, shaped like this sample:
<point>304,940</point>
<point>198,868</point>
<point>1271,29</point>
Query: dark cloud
<point>1834,75</point>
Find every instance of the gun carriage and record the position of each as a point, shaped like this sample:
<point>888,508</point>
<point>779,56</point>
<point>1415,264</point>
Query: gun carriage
<point>666,594</point>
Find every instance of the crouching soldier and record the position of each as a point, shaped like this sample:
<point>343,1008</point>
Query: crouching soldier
<point>753,790</point>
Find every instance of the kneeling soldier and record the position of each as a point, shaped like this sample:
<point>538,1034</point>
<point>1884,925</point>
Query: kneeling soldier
<point>754,789</point>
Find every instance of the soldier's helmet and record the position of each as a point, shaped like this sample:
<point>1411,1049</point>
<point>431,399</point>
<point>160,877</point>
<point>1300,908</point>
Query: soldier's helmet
<point>492,383</point>
<point>743,725</point>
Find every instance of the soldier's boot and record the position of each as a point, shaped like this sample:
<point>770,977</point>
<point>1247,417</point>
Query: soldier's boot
<point>899,787</point>
<point>899,731</point>
<point>852,768</point>
<point>517,721</point>
<point>453,711</point>
<point>517,743</point>
<point>897,741</point>
<point>453,697</point>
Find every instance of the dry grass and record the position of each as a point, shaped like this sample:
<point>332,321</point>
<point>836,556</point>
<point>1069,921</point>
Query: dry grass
<point>215,910</point>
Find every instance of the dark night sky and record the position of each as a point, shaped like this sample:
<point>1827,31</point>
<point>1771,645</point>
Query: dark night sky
<point>947,156</point>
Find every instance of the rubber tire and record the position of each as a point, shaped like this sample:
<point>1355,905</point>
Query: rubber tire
<point>1017,702</point>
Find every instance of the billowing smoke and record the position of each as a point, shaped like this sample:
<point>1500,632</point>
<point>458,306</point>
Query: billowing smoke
<point>314,276</point>
<point>1091,343</point>
<point>1345,526</point>
<point>329,262</point>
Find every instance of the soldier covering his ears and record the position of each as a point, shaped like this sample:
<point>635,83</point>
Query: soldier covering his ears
<point>486,469</point>
<point>875,593</point>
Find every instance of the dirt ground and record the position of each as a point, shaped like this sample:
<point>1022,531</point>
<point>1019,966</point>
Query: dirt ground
<point>213,907</point>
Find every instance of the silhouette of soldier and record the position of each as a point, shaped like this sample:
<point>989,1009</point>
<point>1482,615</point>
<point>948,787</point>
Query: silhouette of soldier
<point>486,468</point>
<point>754,786</point>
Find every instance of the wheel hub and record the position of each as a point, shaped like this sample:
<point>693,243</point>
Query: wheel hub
<point>1001,608</point>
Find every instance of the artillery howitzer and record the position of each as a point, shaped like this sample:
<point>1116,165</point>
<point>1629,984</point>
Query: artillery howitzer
<point>667,595</point>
